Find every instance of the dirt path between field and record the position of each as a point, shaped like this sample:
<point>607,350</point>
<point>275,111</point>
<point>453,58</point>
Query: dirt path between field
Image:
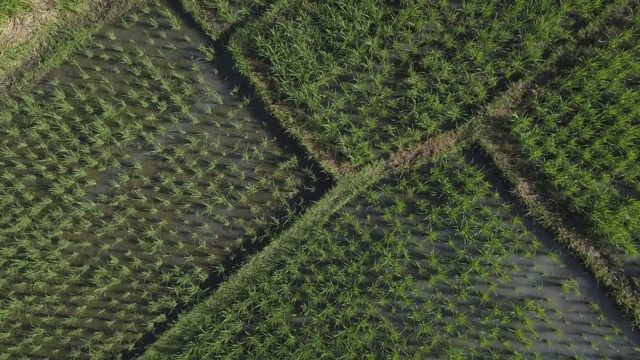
<point>22,27</point>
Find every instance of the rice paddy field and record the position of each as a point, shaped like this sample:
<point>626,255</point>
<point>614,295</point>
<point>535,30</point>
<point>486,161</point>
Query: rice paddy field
<point>426,264</point>
<point>581,129</point>
<point>339,179</point>
<point>367,78</point>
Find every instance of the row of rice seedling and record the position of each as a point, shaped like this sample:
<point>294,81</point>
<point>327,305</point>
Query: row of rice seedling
<point>43,33</point>
<point>128,176</point>
<point>362,79</point>
<point>425,264</point>
<point>581,131</point>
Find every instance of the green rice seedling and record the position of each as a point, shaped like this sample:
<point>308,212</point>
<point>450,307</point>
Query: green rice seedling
<point>150,41</point>
<point>118,48</point>
<point>105,57</point>
<point>88,52</point>
<point>83,74</point>
<point>134,17</point>
<point>125,59</point>
<point>234,91</point>
<point>125,24</point>
<point>207,51</point>
<point>115,69</point>
<point>175,24</point>
<point>154,23</point>
<point>54,81</point>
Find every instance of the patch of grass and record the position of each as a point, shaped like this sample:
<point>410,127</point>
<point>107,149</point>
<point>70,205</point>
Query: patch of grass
<point>217,17</point>
<point>9,9</point>
<point>258,268</point>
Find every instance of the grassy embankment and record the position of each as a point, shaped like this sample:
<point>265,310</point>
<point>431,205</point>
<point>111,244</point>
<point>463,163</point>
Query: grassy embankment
<point>39,35</point>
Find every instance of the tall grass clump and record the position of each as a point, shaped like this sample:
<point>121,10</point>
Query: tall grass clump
<point>13,8</point>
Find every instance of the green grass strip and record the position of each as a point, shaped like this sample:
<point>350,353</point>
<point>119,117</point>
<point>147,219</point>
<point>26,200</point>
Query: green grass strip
<point>442,145</point>
<point>191,323</point>
<point>24,63</point>
<point>216,17</point>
